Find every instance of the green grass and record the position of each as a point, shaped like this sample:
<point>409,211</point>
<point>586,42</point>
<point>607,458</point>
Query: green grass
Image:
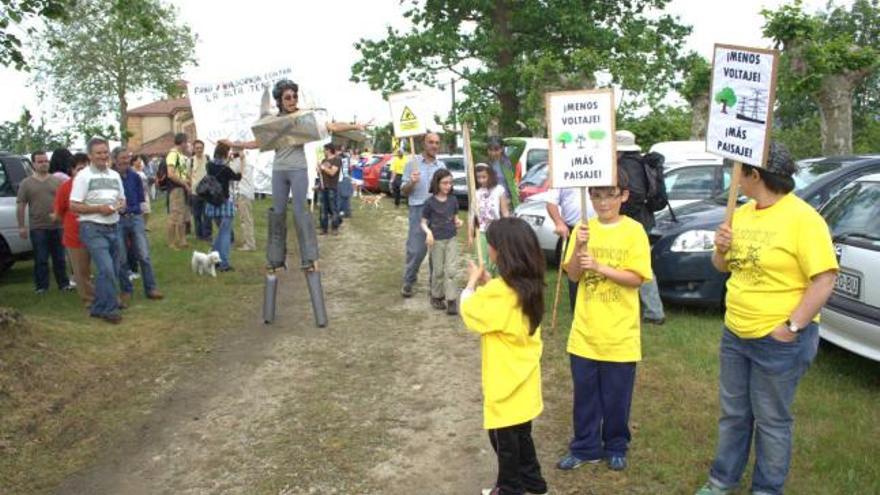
<point>675,412</point>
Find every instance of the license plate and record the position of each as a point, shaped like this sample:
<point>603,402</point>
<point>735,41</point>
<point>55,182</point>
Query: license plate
<point>848,284</point>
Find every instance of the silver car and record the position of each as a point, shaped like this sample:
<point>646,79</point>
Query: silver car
<point>534,212</point>
<point>851,318</point>
<point>13,170</point>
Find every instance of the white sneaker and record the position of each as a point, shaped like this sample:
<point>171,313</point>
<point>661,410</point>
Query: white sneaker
<point>134,276</point>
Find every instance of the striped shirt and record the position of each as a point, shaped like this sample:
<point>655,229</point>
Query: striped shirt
<point>93,187</point>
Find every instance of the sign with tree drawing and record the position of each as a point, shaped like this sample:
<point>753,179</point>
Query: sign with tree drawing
<point>741,111</point>
<point>580,126</point>
<point>408,114</point>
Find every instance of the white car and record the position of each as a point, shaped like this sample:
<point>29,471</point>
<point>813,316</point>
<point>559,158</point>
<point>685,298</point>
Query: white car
<point>851,318</point>
<point>690,181</point>
<point>534,212</point>
<point>13,170</point>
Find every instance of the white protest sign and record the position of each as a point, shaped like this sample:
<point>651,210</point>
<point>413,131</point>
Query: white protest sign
<point>580,126</point>
<point>227,108</point>
<point>741,105</point>
<point>409,114</point>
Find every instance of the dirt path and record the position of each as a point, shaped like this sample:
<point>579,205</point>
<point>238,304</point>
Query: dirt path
<point>384,401</point>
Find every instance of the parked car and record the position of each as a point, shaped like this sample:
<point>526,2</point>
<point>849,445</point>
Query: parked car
<point>372,170</point>
<point>851,318</point>
<point>694,180</point>
<point>534,212</point>
<point>385,178</point>
<point>681,247</point>
<point>679,153</point>
<point>526,153</point>
<point>455,164</point>
<point>13,170</point>
<point>536,181</point>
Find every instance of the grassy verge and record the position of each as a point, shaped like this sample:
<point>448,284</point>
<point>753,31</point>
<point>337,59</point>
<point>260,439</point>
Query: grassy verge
<point>675,413</point>
<point>69,384</point>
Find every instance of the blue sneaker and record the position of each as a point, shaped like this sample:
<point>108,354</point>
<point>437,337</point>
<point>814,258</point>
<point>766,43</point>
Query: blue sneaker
<point>570,462</point>
<point>617,463</point>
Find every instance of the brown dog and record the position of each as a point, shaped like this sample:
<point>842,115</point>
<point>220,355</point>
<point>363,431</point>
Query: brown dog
<point>374,200</point>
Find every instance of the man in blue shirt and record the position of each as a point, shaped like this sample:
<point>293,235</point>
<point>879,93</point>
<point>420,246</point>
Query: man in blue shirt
<point>131,227</point>
<point>416,180</point>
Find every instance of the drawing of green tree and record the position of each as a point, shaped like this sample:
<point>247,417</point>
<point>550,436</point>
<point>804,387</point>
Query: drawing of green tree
<point>564,138</point>
<point>726,97</point>
<point>596,135</point>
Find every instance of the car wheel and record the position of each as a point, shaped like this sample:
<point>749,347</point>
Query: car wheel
<point>6,259</point>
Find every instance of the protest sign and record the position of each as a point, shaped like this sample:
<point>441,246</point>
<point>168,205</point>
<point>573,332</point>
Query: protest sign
<point>741,107</point>
<point>580,126</point>
<point>408,114</point>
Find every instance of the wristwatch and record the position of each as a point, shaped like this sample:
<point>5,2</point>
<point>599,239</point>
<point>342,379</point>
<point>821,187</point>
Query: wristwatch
<point>792,327</point>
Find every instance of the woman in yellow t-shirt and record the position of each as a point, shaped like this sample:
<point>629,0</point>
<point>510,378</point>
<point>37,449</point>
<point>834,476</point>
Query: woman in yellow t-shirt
<point>506,312</point>
<point>782,270</point>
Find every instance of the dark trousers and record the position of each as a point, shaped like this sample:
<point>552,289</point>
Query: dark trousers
<point>602,399</point>
<point>518,468</point>
<point>46,244</point>
<point>201,222</point>
<point>329,210</point>
<point>572,286</point>
<point>395,189</point>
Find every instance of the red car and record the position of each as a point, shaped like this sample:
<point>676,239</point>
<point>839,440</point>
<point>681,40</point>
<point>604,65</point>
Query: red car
<point>536,181</point>
<point>372,171</point>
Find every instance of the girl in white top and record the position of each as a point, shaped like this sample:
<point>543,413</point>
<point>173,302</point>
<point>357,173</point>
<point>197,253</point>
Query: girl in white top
<point>491,204</point>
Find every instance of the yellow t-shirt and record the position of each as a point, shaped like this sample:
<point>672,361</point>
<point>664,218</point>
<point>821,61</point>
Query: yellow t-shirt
<point>179,163</point>
<point>397,164</point>
<point>774,254</point>
<point>511,357</point>
<point>607,323</point>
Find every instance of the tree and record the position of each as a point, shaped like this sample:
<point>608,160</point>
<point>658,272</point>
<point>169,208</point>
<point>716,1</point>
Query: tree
<point>18,13</point>
<point>828,56</point>
<point>564,138</point>
<point>596,135</point>
<point>510,52</point>
<point>661,123</point>
<point>25,135</point>
<point>726,97</point>
<point>110,50</point>
<point>695,89</point>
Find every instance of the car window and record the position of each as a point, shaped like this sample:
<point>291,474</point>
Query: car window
<point>536,176</point>
<point>5,184</point>
<point>856,210</point>
<point>453,164</point>
<point>807,174</point>
<point>535,157</point>
<point>690,183</point>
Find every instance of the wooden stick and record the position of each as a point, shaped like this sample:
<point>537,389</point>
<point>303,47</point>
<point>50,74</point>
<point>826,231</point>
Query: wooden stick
<point>472,185</point>
<point>559,282</point>
<point>734,193</point>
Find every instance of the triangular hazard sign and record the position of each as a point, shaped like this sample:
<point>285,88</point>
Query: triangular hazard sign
<point>407,115</point>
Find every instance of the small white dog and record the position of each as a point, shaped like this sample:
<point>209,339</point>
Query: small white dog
<point>205,263</point>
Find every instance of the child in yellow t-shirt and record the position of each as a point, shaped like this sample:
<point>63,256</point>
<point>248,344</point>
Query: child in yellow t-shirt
<point>506,311</point>
<point>610,259</point>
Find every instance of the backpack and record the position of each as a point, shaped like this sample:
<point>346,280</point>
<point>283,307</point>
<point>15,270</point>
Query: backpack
<point>162,181</point>
<point>656,198</point>
<point>210,190</point>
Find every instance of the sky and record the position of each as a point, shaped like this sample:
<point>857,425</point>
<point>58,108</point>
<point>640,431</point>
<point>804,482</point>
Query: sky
<point>316,39</point>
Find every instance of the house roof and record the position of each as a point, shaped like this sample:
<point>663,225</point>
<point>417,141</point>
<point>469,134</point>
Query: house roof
<point>162,107</point>
<point>159,146</point>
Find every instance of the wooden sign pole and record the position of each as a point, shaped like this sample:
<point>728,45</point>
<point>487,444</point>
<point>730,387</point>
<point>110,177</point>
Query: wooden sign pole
<point>734,193</point>
<point>559,282</point>
<point>472,186</point>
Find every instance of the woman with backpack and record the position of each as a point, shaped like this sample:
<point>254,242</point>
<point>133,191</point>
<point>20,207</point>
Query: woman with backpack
<point>214,188</point>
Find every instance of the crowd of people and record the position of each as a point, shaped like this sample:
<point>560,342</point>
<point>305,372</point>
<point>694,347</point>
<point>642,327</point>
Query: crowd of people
<point>782,268</point>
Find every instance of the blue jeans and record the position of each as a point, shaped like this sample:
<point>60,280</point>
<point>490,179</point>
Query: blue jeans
<point>758,381</point>
<point>652,305</point>
<point>102,242</point>
<point>223,241</point>
<point>329,210</point>
<point>602,399</point>
<point>416,249</point>
<point>46,243</point>
<point>132,227</point>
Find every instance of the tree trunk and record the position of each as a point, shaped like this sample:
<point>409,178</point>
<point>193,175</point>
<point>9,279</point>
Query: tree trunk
<point>507,97</point>
<point>835,108</point>
<point>699,116</point>
<point>123,118</point>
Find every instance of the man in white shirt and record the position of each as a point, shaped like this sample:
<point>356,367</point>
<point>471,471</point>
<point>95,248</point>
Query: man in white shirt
<point>98,196</point>
<point>564,208</point>
<point>201,222</point>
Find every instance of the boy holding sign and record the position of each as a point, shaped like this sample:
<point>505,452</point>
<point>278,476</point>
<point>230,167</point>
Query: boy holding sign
<point>604,343</point>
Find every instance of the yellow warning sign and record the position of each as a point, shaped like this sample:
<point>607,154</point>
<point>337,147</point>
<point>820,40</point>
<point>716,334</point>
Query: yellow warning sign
<point>408,120</point>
